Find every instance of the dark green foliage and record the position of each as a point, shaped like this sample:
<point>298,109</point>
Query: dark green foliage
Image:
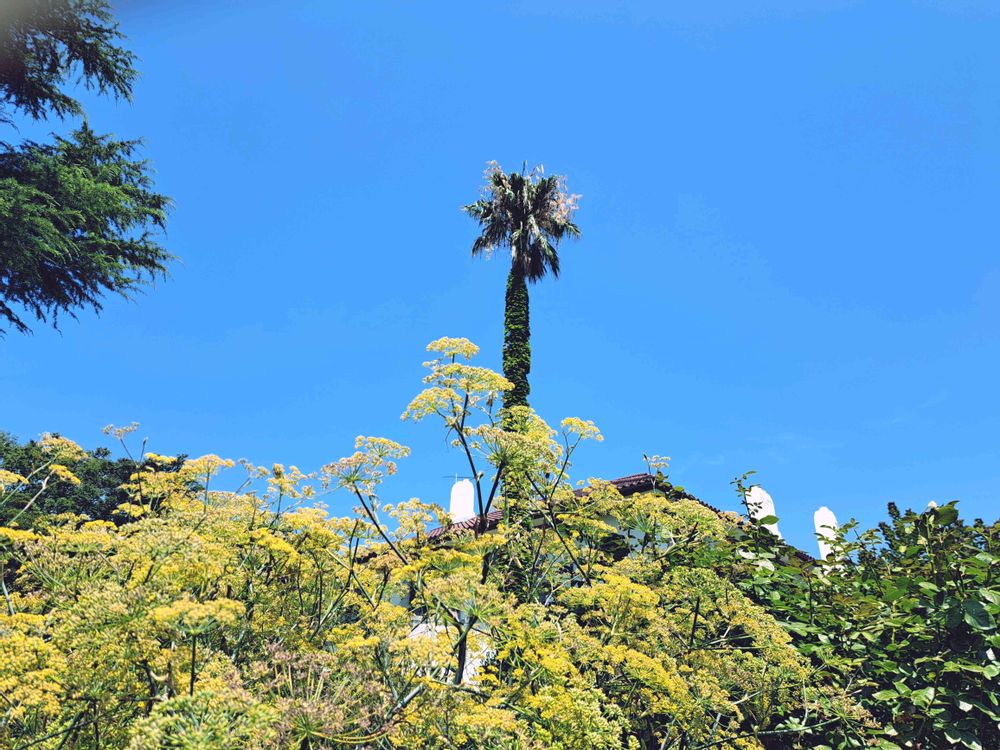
<point>517,341</point>
<point>75,223</point>
<point>45,44</point>
<point>528,214</point>
<point>97,495</point>
<point>77,217</point>
<point>905,615</point>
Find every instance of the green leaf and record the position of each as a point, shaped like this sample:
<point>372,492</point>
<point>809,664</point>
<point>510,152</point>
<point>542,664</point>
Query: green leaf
<point>953,614</point>
<point>895,590</point>
<point>967,705</point>
<point>993,597</point>
<point>799,628</point>
<point>958,736</point>
<point>946,514</point>
<point>977,616</point>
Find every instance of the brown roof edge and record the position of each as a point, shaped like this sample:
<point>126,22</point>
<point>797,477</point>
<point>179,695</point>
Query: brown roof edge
<point>628,485</point>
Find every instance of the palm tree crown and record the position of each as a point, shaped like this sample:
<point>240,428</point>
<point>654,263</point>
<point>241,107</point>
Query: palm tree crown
<point>528,213</point>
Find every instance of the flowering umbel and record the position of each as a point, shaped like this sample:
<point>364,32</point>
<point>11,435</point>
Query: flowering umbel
<point>220,619</point>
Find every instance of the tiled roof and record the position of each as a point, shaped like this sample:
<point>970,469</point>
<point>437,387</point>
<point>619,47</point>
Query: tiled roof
<point>629,485</point>
<point>492,519</point>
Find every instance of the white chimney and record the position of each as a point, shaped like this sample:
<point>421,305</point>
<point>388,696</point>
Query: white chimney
<point>463,501</point>
<point>761,505</point>
<point>826,530</point>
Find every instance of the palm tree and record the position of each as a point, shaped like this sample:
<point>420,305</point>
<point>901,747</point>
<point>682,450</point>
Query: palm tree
<point>529,214</point>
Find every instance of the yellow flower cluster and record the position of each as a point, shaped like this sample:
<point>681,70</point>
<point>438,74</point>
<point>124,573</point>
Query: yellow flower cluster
<point>30,666</point>
<point>455,390</point>
<point>62,473</point>
<point>17,536</point>
<point>288,482</point>
<point>10,479</point>
<point>436,400</point>
<point>205,466</point>
<point>190,616</point>
<point>61,449</point>
<point>156,458</point>
<point>449,347</point>
<point>581,429</point>
<point>224,620</point>
<point>374,459</point>
<point>266,539</point>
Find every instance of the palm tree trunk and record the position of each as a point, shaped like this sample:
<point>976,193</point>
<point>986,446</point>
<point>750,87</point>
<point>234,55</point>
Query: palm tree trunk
<point>516,366</point>
<point>516,340</point>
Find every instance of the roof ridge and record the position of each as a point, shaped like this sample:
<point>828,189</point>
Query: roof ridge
<point>632,483</point>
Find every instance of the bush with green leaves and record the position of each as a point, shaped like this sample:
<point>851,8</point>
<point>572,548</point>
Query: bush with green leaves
<point>904,616</point>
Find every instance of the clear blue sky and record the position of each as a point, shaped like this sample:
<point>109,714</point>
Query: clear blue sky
<point>789,255</point>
